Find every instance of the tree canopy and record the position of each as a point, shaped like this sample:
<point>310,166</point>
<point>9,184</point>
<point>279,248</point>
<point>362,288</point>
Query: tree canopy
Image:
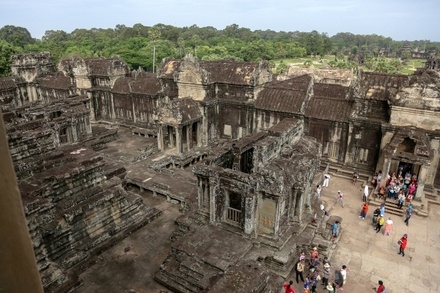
<point>136,44</point>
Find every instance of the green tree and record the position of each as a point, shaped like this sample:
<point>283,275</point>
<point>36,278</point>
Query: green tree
<point>15,35</point>
<point>6,52</point>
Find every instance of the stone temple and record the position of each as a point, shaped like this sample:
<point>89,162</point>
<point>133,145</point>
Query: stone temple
<point>236,147</point>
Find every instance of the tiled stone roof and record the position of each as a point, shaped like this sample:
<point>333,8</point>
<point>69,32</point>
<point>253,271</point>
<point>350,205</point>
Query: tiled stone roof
<point>55,82</point>
<point>329,102</point>
<point>7,83</point>
<point>284,96</point>
<point>231,72</point>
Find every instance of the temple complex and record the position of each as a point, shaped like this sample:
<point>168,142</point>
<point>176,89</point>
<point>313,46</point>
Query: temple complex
<point>234,146</point>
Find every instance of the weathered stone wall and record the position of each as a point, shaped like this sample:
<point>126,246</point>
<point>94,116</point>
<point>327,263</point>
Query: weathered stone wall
<point>425,119</point>
<point>29,66</point>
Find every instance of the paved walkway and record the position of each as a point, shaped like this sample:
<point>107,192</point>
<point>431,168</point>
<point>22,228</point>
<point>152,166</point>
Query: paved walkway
<point>371,257</point>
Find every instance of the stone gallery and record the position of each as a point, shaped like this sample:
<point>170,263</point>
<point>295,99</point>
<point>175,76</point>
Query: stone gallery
<point>236,147</point>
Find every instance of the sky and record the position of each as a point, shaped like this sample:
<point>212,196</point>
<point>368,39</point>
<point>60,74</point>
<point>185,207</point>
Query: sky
<point>398,19</point>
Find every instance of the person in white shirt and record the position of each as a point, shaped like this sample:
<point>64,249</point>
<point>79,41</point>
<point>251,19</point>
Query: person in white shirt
<point>366,193</point>
<point>326,180</point>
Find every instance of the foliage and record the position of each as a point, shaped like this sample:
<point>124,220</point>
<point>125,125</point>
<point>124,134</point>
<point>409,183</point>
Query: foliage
<point>136,45</point>
<point>6,52</point>
<point>16,36</point>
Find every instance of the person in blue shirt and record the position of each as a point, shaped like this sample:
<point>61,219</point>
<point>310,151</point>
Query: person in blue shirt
<point>335,229</point>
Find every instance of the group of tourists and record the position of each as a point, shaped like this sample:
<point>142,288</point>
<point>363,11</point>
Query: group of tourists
<point>311,271</point>
<point>401,188</point>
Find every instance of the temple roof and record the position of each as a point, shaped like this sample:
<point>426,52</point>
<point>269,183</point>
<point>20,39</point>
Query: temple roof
<point>231,72</point>
<point>57,81</point>
<point>7,83</point>
<point>144,83</point>
<point>284,96</point>
<point>329,102</point>
<point>377,86</point>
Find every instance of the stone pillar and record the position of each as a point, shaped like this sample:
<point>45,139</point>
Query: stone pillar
<point>133,108</point>
<point>249,215</point>
<point>18,270</point>
<point>171,136</point>
<point>179,144</point>
<point>420,194</point>
<point>385,171</point>
<point>200,194</point>
<point>199,134</point>
<point>213,190</point>
<point>189,136</point>
<point>112,107</point>
<point>160,140</point>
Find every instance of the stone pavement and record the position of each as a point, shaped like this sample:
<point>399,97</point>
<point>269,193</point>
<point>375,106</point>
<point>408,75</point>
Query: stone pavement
<point>371,257</point>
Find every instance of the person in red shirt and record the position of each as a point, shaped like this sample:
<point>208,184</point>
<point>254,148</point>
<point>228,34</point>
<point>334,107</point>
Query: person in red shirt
<point>381,287</point>
<point>288,287</point>
<point>402,242</point>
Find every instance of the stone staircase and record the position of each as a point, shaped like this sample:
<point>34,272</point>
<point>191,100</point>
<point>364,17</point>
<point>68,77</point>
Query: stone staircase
<point>391,207</point>
<point>335,169</point>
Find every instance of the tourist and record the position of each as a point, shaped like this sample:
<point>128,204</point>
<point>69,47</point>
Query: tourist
<point>307,284</point>
<point>400,199</point>
<point>355,177</point>
<point>302,256</point>
<point>318,191</point>
<point>341,277</point>
<point>340,198</point>
<point>380,222</point>
<point>344,276</point>
<point>326,180</point>
<point>374,181</point>
<point>376,214</point>
<point>335,230</point>
<point>364,210</point>
<point>314,263</point>
<point>402,244</point>
<point>381,287</point>
<point>313,253</point>
<point>322,208</point>
<point>326,273</point>
<point>365,194</point>
<point>330,288</point>
<point>408,214</point>
<point>314,278</point>
<point>412,188</point>
<point>288,287</point>
<point>388,227</point>
<point>299,269</point>
<point>382,209</point>
<point>381,192</point>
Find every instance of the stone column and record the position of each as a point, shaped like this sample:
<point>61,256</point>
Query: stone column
<point>112,107</point>
<point>385,171</point>
<point>179,144</point>
<point>171,136</point>
<point>420,194</point>
<point>199,134</point>
<point>213,190</point>
<point>160,140</point>
<point>249,215</point>
<point>200,194</point>
<point>189,136</point>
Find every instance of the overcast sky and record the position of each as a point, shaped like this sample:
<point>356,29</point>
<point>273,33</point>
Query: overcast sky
<point>398,19</point>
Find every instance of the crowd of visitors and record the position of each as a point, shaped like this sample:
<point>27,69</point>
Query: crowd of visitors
<point>311,270</point>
